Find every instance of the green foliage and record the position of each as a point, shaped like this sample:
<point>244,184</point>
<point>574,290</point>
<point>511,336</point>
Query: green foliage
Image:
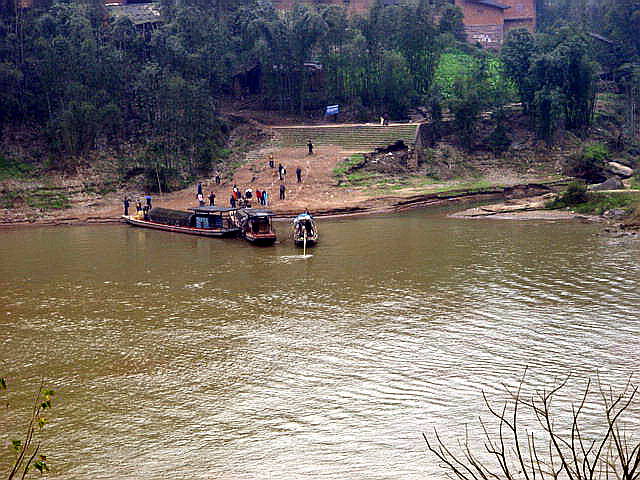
<point>546,109</point>
<point>600,203</point>
<point>40,198</point>
<point>498,141</point>
<point>555,79</point>
<point>10,168</point>
<point>88,80</point>
<point>470,84</point>
<point>345,166</point>
<point>454,67</point>
<point>47,199</point>
<point>619,21</point>
<point>466,105</point>
<point>26,450</point>
<point>589,163</point>
<point>482,69</point>
<point>579,200</point>
<point>575,193</point>
<point>595,152</point>
<point>451,21</point>
<point>517,52</point>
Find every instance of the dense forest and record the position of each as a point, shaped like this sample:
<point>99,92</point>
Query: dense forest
<point>85,81</point>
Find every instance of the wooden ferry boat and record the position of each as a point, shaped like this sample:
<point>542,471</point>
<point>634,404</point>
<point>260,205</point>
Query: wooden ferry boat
<point>204,221</point>
<point>255,225</point>
<point>304,230</point>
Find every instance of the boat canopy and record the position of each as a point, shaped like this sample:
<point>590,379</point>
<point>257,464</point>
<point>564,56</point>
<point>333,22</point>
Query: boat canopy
<point>170,217</point>
<point>257,212</point>
<point>213,210</point>
<point>303,217</point>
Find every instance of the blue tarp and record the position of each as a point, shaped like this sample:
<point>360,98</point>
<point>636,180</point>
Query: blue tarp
<point>332,109</point>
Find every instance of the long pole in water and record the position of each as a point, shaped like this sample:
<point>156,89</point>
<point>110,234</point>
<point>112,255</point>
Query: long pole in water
<point>304,250</point>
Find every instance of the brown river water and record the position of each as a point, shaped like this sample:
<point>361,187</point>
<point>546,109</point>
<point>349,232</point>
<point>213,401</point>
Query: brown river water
<point>183,357</point>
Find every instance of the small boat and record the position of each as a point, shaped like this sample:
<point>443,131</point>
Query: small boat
<point>255,225</point>
<point>205,221</point>
<point>304,230</point>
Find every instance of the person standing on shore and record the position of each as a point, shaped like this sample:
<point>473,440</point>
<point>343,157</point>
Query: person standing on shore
<point>212,199</point>
<point>148,199</point>
<point>138,206</point>
<point>201,200</point>
<point>126,207</point>
<point>280,169</point>
<point>271,163</point>
<point>310,147</point>
<point>217,178</point>
<point>232,201</point>
<point>299,174</point>
<point>265,198</point>
<point>282,189</point>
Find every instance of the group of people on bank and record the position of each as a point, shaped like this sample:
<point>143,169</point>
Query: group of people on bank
<point>244,200</point>
<point>237,199</point>
<point>140,207</point>
<point>240,199</point>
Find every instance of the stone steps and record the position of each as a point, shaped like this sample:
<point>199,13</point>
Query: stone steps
<point>351,137</point>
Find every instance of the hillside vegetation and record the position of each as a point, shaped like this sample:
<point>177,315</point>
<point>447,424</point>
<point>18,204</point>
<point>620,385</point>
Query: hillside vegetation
<point>89,96</point>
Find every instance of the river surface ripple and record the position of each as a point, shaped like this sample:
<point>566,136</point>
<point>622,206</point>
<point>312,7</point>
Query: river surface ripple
<point>182,357</point>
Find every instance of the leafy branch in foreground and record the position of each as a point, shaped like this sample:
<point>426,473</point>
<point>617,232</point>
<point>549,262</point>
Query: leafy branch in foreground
<point>27,449</point>
<point>556,449</point>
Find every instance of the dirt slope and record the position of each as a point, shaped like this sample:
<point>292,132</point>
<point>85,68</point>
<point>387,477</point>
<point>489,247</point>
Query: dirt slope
<point>317,191</point>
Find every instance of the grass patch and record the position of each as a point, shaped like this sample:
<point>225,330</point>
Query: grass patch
<point>579,200</point>
<point>598,203</point>
<point>15,169</point>
<point>48,199</point>
<point>362,179</point>
<point>345,166</point>
<point>475,186</point>
<point>41,199</point>
<point>420,183</point>
<point>455,66</point>
<point>8,199</point>
<point>100,188</point>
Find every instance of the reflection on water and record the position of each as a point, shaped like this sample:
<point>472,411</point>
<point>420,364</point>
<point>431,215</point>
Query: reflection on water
<point>183,357</point>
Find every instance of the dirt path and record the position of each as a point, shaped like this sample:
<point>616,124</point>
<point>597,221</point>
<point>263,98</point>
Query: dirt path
<point>317,190</point>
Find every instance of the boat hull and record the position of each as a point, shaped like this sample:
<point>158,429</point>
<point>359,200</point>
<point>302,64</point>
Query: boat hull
<point>203,232</point>
<point>299,242</point>
<point>267,239</point>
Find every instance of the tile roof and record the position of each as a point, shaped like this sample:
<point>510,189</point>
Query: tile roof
<point>491,3</point>
<point>138,13</point>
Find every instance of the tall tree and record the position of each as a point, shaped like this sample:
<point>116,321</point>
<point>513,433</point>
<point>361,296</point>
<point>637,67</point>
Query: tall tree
<point>517,52</point>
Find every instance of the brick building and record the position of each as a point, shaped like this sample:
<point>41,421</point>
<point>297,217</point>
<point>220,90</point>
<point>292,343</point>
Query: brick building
<point>488,21</point>
<point>485,21</point>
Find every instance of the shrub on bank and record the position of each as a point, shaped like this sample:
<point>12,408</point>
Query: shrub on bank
<point>589,163</point>
<point>10,168</point>
<point>600,203</point>
<point>576,193</point>
<point>580,200</point>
